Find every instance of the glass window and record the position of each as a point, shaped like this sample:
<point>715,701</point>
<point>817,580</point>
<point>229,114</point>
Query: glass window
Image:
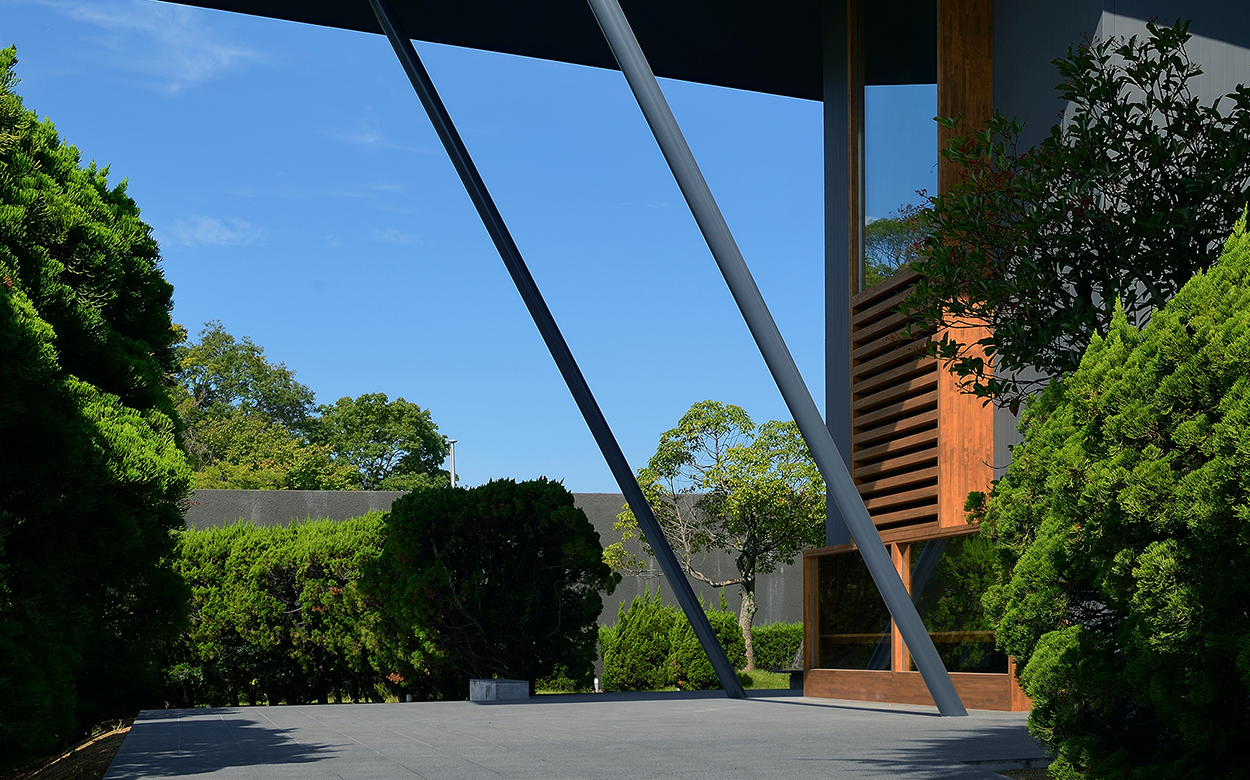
<point>948,578</point>
<point>854,624</point>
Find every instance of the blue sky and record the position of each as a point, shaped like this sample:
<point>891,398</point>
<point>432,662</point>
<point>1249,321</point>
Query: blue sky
<point>300,196</point>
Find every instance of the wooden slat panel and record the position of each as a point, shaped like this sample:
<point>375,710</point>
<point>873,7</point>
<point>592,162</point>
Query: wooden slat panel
<point>905,425</point>
<point>911,387</point>
<point>895,410</point>
<point>919,367</point>
<point>924,457</point>
<point>894,322</point>
<point>978,691</point>
<point>902,480</point>
<point>890,341</point>
<point>909,516</point>
<point>924,438</point>
<point>861,317</point>
<point>899,279</point>
<point>888,360</point>
<point>882,503</point>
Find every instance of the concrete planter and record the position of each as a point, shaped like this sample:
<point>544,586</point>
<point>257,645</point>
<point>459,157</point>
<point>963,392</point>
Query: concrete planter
<point>498,690</point>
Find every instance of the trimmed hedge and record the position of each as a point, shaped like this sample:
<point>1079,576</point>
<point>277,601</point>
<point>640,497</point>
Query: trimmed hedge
<point>276,615</point>
<point>776,644</point>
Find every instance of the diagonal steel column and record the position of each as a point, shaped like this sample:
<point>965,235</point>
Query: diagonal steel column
<point>556,345</point>
<point>780,363</point>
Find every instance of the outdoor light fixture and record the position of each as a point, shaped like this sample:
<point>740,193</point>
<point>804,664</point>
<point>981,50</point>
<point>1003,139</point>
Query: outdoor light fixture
<point>451,443</point>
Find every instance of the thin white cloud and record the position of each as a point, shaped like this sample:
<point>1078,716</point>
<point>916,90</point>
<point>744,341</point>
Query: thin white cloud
<point>394,236</point>
<point>170,44</point>
<point>368,132</point>
<point>206,231</point>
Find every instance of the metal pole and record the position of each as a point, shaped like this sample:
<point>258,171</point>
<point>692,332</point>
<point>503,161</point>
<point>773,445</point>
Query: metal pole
<point>780,363</point>
<point>452,445</point>
<point>559,349</point>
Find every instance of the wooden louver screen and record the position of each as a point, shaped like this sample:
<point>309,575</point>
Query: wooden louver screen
<point>894,409</point>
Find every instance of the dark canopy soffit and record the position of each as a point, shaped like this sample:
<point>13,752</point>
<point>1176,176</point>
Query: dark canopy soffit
<point>772,47</point>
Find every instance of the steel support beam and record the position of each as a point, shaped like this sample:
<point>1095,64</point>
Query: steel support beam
<point>557,346</point>
<point>776,354</point>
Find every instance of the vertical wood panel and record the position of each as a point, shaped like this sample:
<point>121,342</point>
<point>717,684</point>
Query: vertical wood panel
<point>811,614</point>
<point>1019,702</point>
<point>965,442</point>
<point>855,139</point>
<point>965,86</point>
<point>900,659</point>
<point>965,70</point>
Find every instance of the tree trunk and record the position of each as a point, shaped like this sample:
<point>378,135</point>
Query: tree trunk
<point>746,616</point>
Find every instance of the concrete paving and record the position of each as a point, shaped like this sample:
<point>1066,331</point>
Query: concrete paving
<point>619,736</point>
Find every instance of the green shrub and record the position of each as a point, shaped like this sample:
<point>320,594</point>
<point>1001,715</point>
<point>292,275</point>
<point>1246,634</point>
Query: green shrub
<point>637,657</point>
<point>653,646</point>
<point>776,644</point>
<point>501,580</point>
<point>689,666</point>
<point>1124,543</point>
<point>276,614</point>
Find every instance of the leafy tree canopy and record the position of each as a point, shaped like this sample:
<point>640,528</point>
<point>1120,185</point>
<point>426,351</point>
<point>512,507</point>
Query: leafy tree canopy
<point>1135,191</point>
<point>251,425</point>
<point>717,482</point>
<point>242,451</point>
<point>1123,536</point>
<point>393,445</point>
<point>220,373</point>
<point>90,470</point>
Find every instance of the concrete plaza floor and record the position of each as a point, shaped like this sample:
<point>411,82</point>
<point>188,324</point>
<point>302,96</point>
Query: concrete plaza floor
<point>611,736</point>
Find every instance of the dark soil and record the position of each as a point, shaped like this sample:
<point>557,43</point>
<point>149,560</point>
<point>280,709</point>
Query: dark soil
<point>88,760</point>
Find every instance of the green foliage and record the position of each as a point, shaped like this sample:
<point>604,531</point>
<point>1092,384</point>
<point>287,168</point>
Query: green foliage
<point>90,470</point>
<point>890,243</point>
<point>1124,535</point>
<point>393,445</point>
<point>247,420</point>
<point>501,580</point>
<point>277,615</point>
<point>776,644</point>
<point>635,657</point>
<point>719,482</point>
<point>653,646</point>
<point>1121,204</point>
<point>242,451</point>
<point>250,426</point>
<point>688,665</point>
<point>219,374</point>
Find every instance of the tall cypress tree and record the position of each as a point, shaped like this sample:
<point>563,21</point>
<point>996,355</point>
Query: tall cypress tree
<point>90,469</point>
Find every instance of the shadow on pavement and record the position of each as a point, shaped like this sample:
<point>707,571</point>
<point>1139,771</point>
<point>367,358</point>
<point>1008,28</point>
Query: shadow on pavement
<point>166,743</point>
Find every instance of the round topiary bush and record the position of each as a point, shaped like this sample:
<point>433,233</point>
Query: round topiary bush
<point>500,580</point>
<point>1123,533</point>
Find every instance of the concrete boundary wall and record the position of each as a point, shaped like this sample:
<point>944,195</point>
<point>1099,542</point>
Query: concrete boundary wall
<point>779,596</point>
